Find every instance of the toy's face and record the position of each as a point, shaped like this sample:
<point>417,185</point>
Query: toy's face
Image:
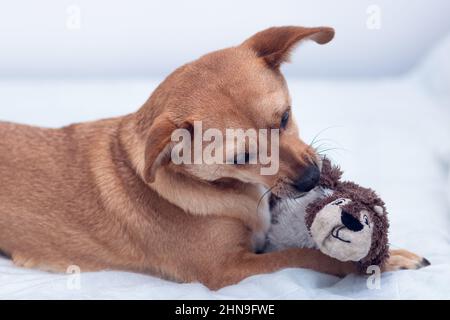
<point>342,233</point>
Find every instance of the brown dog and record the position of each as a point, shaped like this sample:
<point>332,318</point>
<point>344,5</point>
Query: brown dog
<point>106,195</point>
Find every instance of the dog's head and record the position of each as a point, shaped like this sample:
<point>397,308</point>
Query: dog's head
<point>234,88</point>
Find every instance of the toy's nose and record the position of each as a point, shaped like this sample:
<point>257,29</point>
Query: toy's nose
<point>309,179</point>
<point>350,222</point>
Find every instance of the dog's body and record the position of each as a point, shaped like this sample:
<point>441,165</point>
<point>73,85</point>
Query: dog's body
<point>104,195</point>
<point>76,199</point>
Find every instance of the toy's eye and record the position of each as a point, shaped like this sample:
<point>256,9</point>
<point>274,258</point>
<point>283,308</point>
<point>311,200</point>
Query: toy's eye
<point>338,202</point>
<point>366,220</point>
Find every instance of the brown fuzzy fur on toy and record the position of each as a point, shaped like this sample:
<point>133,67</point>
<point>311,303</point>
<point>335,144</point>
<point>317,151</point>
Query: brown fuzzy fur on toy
<point>361,199</point>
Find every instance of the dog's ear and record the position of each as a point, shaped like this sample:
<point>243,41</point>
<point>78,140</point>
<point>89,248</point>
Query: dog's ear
<point>158,146</point>
<point>275,44</point>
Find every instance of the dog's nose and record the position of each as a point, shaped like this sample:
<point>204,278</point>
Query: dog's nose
<point>309,179</point>
<point>350,222</point>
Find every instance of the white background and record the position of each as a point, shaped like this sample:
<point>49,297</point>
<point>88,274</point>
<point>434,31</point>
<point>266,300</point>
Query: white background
<point>142,38</point>
<point>382,112</point>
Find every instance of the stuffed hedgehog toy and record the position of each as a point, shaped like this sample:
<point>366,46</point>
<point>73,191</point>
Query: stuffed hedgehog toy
<point>340,218</point>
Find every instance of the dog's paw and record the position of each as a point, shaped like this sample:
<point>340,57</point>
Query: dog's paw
<point>404,260</point>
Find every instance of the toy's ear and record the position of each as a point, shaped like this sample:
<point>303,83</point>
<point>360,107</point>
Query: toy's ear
<point>275,44</point>
<point>330,175</point>
<point>379,210</point>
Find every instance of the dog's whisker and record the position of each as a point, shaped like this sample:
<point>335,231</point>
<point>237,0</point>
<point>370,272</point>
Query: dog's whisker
<point>322,131</point>
<point>262,197</point>
<point>328,145</point>
<point>300,196</point>
<point>331,149</point>
<point>317,149</point>
<point>324,141</point>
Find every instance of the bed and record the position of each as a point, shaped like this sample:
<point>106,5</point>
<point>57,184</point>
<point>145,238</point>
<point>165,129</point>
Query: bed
<point>390,134</point>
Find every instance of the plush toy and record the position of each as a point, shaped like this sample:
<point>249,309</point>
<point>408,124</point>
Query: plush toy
<point>340,218</point>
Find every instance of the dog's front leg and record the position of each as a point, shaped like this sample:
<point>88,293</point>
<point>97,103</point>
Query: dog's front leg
<point>401,259</point>
<point>248,264</point>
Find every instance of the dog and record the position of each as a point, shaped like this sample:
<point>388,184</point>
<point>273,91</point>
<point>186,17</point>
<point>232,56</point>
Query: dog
<point>106,195</point>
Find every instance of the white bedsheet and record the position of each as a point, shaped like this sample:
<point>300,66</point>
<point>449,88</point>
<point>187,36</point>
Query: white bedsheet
<point>392,135</point>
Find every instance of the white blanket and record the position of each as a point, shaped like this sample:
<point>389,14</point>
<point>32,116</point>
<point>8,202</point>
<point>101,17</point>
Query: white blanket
<point>392,135</point>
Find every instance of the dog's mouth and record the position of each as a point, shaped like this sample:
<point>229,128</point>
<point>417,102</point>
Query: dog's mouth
<point>335,234</point>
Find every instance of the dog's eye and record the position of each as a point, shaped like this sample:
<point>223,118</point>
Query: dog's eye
<point>366,220</point>
<point>242,159</point>
<point>338,202</point>
<point>284,120</point>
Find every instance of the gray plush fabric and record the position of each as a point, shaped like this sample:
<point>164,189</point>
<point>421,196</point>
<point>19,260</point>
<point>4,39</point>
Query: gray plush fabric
<point>288,229</point>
